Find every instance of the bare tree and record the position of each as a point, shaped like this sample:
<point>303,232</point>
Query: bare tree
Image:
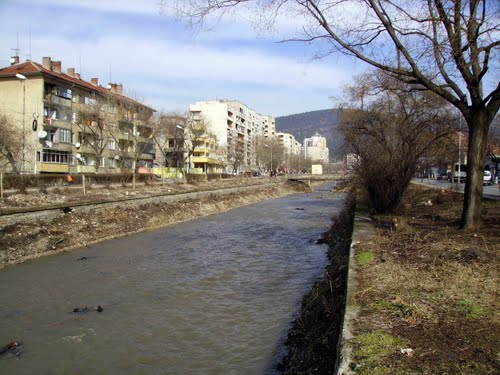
<point>299,163</point>
<point>397,129</point>
<point>449,47</point>
<point>235,157</point>
<point>199,135</point>
<point>270,154</point>
<point>11,147</point>
<point>95,126</point>
<point>168,136</point>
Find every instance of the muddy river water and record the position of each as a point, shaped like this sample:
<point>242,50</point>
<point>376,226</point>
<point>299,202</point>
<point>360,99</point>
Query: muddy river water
<point>211,296</point>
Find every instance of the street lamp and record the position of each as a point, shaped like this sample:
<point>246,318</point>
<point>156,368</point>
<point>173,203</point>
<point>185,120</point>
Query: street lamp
<point>177,126</point>
<point>271,168</point>
<point>23,79</point>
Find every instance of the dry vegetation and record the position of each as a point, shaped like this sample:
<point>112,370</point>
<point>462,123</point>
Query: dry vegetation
<point>27,235</point>
<point>428,292</point>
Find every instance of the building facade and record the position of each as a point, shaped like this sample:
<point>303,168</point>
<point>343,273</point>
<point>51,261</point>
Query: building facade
<point>315,148</point>
<point>290,145</point>
<point>69,125</point>
<point>236,128</point>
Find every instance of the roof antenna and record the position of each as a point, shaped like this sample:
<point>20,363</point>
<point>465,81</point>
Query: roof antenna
<point>110,79</point>
<point>17,50</point>
<point>29,39</point>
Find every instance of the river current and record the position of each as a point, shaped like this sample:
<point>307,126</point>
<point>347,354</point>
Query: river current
<point>211,296</point>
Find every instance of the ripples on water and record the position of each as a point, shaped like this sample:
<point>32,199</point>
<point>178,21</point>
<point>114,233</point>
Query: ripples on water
<point>211,296</point>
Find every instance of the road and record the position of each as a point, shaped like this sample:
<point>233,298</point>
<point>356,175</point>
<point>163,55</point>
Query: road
<point>489,191</point>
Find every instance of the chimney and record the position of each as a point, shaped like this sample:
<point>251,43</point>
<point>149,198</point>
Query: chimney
<point>14,60</point>
<point>94,81</point>
<point>119,89</point>
<point>56,66</point>
<point>112,87</point>
<point>46,63</point>
<point>71,72</point>
<point>77,76</point>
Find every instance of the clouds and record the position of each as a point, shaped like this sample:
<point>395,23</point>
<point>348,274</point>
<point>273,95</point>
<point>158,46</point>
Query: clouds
<point>168,66</point>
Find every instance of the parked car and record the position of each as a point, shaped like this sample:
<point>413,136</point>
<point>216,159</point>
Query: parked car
<point>487,178</point>
<point>443,176</point>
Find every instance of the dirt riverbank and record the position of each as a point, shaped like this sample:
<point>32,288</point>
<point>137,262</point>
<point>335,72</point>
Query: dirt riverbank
<point>31,235</point>
<point>427,296</point>
<point>313,342</point>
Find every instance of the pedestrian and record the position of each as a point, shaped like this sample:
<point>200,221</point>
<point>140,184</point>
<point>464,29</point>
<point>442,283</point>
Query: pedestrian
<point>69,180</point>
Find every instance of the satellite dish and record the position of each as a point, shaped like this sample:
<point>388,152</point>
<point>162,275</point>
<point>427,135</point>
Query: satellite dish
<point>77,144</point>
<point>117,157</point>
<point>42,134</point>
<point>78,156</point>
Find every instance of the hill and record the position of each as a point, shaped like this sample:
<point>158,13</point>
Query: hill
<point>305,125</point>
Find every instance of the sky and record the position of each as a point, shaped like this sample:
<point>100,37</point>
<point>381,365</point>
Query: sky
<point>165,64</point>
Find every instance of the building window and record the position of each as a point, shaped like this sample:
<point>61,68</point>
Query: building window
<point>101,162</point>
<point>62,92</point>
<point>64,135</point>
<point>58,157</point>
<point>89,101</point>
<point>50,113</point>
<point>111,162</point>
<point>111,144</point>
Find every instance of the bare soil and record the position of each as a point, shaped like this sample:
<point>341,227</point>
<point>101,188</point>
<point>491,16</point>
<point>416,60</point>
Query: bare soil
<point>29,235</point>
<point>428,291</point>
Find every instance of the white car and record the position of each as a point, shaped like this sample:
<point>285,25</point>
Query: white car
<point>487,178</point>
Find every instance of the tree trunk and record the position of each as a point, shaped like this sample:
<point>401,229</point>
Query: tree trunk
<point>473,195</point>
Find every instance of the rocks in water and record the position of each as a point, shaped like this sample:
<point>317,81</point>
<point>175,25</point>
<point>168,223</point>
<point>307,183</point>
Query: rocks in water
<point>12,348</point>
<point>85,309</point>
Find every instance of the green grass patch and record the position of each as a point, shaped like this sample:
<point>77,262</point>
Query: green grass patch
<point>471,309</point>
<point>373,349</point>
<point>399,309</point>
<point>364,258</point>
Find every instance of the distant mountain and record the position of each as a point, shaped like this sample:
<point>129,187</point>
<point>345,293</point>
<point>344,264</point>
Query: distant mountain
<point>305,125</point>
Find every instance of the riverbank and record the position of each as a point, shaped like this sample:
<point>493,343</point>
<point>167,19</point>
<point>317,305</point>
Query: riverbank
<point>31,235</point>
<point>422,295</point>
<point>313,341</point>
<point>425,294</point>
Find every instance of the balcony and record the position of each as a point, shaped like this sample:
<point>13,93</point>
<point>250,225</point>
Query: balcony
<point>58,100</point>
<point>63,124</point>
<point>86,169</point>
<point>147,148</point>
<point>124,136</point>
<point>57,146</point>
<point>52,167</point>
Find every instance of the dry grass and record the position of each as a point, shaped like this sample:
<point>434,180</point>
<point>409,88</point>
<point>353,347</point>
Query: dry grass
<point>433,286</point>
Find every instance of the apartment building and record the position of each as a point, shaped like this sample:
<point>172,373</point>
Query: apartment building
<point>69,125</point>
<point>290,145</point>
<point>236,128</point>
<point>315,148</point>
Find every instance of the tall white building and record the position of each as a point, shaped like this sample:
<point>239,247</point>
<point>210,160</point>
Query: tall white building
<point>236,127</point>
<point>315,148</point>
<point>290,145</point>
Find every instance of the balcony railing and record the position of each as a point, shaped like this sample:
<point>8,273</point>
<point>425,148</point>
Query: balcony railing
<point>54,99</point>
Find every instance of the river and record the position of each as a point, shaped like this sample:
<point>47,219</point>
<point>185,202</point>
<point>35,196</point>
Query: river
<point>211,296</point>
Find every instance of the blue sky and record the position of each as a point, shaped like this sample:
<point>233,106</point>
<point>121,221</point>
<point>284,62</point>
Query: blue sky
<point>168,66</point>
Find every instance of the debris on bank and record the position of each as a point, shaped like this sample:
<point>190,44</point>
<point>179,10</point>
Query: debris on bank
<point>313,343</point>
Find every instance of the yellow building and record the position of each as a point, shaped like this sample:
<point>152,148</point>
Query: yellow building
<point>69,125</point>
